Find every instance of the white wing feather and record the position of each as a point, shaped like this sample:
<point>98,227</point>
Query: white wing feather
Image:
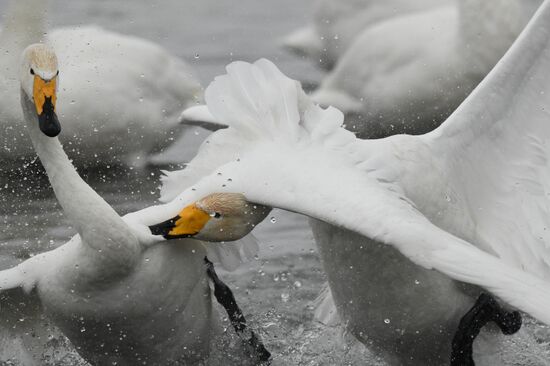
<point>326,184</point>
<point>494,151</point>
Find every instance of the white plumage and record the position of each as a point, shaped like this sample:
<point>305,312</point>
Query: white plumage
<point>469,200</point>
<point>408,73</point>
<point>116,295</point>
<point>121,93</point>
<point>336,23</point>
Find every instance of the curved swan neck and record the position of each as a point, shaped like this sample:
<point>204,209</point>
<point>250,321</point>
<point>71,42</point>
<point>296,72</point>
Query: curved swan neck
<point>99,226</point>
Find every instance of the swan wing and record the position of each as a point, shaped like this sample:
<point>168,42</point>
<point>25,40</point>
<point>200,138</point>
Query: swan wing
<point>335,191</point>
<point>310,168</point>
<point>494,153</point>
<point>24,330</point>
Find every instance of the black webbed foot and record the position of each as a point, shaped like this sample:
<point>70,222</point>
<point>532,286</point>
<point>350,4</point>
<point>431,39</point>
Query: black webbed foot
<point>225,297</point>
<point>485,309</point>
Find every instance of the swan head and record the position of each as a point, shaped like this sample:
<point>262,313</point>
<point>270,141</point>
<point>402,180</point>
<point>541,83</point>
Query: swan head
<point>216,217</point>
<point>39,78</point>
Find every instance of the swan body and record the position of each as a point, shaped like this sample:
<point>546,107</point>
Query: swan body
<point>389,83</point>
<point>118,89</point>
<point>118,297</point>
<point>336,24</point>
<point>409,228</point>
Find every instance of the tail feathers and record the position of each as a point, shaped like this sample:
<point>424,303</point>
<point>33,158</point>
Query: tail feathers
<point>256,99</point>
<point>200,115</point>
<point>325,308</point>
<point>337,98</point>
<point>304,42</point>
<point>231,255</point>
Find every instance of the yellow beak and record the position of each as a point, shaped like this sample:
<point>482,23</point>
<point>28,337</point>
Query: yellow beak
<point>42,90</point>
<point>188,223</point>
<point>44,97</point>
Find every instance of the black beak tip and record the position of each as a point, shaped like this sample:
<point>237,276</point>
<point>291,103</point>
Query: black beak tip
<point>165,227</point>
<point>48,121</point>
<point>49,124</point>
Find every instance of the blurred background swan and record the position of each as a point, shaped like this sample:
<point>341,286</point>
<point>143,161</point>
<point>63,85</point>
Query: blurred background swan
<point>122,93</point>
<point>337,23</point>
<point>409,70</point>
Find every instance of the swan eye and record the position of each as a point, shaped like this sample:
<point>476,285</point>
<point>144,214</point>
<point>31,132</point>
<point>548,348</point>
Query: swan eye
<point>57,73</point>
<point>216,215</point>
<point>32,72</point>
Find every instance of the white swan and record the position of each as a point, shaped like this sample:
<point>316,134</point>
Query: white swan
<point>407,74</point>
<point>116,296</point>
<point>122,93</point>
<point>400,218</point>
<point>336,23</point>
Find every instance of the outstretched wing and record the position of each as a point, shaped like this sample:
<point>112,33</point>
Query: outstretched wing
<point>24,331</point>
<point>494,150</point>
<point>313,169</point>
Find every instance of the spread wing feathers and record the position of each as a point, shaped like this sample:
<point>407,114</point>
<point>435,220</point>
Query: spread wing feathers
<point>256,99</point>
<point>335,191</point>
<point>329,186</point>
<point>494,151</point>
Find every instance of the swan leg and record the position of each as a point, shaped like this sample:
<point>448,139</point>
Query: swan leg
<point>485,309</point>
<point>225,297</point>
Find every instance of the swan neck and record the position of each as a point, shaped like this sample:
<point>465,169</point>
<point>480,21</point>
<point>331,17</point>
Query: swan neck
<point>99,226</point>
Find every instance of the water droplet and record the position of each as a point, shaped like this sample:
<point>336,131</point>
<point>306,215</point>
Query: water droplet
<point>297,284</point>
<point>273,220</point>
<point>416,282</point>
<point>387,321</point>
<point>197,56</point>
<point>285,296</point>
